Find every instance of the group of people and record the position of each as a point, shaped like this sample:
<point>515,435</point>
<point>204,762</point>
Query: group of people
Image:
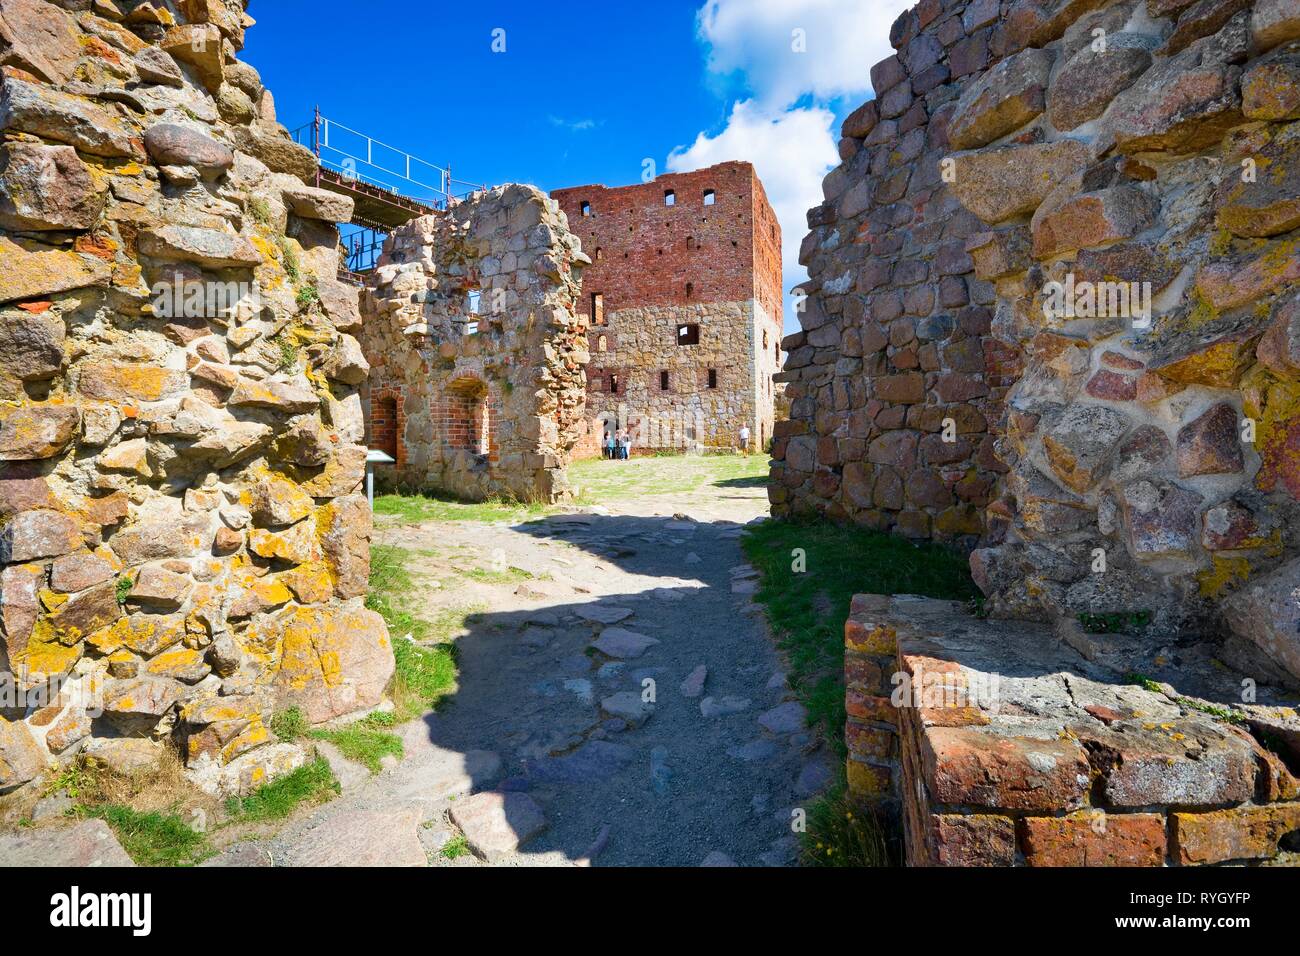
<point>618,445</point>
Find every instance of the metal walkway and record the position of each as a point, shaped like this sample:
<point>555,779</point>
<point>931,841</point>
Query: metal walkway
<point>388,186</point>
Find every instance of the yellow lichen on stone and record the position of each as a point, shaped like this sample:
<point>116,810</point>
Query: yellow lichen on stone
<point>1224,574</point>
<point>45,655</point>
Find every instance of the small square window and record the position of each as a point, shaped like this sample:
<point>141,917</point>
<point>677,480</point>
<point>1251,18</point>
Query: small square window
<point>586,208</point>
<point>613,384</point>
<point>713,378</point>
<point>709,197</point>
<point>670,198</point>
<point>688,334</point>
<point>663,381</point>
<point>690,289</point>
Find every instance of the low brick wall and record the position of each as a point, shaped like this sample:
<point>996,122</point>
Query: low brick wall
<point>1005,747</point>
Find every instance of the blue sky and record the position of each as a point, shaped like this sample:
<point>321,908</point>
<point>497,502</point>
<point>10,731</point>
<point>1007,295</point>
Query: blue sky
<point>585,91</point>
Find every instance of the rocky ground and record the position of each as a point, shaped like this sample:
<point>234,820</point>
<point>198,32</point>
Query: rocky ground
<point>619,701</point>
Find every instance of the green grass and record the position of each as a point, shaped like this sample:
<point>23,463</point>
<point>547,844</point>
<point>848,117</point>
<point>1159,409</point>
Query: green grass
<point>289,724</point>
<point>260,210</point>
<point>511,575</point>
<point>841,834</point>
<point>366,742</point>
<point>311,783</point>
<point>808,609</point>
<point>391,584</point>
<point>424,676</point>
<point>307,294</point>
<point>286,352</point>
<point>153,839</point>
<point>598,480</point>
<point>418,508</point>
<point>456,847</point>
<point>289,259</point>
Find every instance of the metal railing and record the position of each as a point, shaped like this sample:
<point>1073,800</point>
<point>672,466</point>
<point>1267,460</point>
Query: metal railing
<point>362,248</point>
<point>361,158</point>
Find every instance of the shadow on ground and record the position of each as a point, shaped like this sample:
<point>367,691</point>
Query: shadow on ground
<point>557,692</point>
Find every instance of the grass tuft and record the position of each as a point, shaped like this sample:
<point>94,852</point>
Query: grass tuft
<point>366,742</point>
<point>289,724</point>
<point>808,608</point>
<point>842,834</point>
<point>154,838</point>
<point>424,676</point>
<point>260,210</point>
<point>432,506</point>
<point>456,847</point>
<point>312,783</point>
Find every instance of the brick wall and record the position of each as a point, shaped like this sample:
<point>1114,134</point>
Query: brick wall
<point>384,423</point>
<point>1003,748</point>
<point>656,267</point>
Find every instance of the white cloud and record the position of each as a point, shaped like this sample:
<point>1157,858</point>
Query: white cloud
<point>843,39</point>
<point>791,150</point>
<point>576,126</point>
<point>753,45</point>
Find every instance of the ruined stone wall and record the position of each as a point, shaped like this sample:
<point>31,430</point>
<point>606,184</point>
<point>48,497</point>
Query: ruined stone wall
<point>476,352</point>
<point>184,540</point>
<point>656,267</point>
<point>894,383</point>
<point>1017,155</point>
<point>1147,148</point>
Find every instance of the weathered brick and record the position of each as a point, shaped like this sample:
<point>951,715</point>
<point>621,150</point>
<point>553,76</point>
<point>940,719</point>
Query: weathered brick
<point>1093,838</point>
<point>1241,833</point>
<point>972,839</point>
<point>967,766</point>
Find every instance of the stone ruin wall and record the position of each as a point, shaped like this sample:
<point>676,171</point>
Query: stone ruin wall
<point>184,537</point>
<point>894,339</point>
<point>492,409</point>
<point>1006,150</point>
<point>656,267</point>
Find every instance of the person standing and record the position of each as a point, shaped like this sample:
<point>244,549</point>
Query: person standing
<point>743,440</point>
<point>610,444</point>
<point>625,445</point>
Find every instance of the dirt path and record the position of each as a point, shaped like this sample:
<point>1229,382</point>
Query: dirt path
<point>576,751</point>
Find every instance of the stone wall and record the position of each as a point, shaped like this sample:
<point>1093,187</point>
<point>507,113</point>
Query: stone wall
<point>185,541</point>
<point>1026,169</point>
<point>895,385</point>
<point>657,267</point>
<point>1159,440</point>
<point>476,384</point>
